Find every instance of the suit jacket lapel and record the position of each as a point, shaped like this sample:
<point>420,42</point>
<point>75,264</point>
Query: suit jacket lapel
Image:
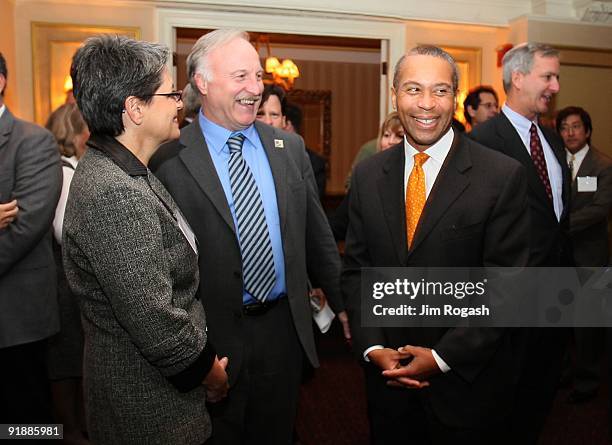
<point>198,162</point>
<point>277,159</point>
<point>450,183</point>
<point>6,126</point>
<point>391,193</point>
<point>517,150</point>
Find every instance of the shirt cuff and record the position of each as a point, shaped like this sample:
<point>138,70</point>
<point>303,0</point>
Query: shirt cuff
<point>193,376</point>
<point>371,348</point>
<point>441,363</point>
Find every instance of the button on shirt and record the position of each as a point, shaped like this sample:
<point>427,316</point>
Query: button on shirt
<point>257,160</point>
<point>522,125</point>
<point>437,154</point>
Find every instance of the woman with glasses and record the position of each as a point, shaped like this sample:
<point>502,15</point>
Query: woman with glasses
<point>131,259</point>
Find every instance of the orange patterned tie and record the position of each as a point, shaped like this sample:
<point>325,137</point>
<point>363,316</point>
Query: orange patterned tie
<point>415,195</point>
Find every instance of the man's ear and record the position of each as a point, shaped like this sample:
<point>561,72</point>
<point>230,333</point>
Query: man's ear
<point>201,83</point>
<point>517,79</point>
<point>394,98</point>
<point>133,110</point>
<point>471,111</point>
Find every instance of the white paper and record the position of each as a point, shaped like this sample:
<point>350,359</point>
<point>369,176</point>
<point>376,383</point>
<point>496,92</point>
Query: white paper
<point>187,232</point>
<point>323,318</point>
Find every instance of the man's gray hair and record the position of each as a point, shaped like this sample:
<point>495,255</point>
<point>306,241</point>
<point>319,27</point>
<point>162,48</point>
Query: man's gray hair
<point>520,58</point>
<point>197,60</point>
<point>107,70</point>
<point>427,50</point>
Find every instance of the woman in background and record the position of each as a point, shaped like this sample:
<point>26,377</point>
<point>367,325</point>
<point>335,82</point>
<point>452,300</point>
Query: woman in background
<point>131,259</point>
<point>65,349</point>
<point>391,133</point>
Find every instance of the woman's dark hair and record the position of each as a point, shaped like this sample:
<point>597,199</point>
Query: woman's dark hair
<point>108,69</point>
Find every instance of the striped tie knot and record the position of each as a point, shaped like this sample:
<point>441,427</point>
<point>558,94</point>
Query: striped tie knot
<point>235,142</point>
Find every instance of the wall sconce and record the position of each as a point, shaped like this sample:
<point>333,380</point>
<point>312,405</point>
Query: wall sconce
<point>283,73</point>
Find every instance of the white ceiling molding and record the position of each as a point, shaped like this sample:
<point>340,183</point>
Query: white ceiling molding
<point>594,11</point>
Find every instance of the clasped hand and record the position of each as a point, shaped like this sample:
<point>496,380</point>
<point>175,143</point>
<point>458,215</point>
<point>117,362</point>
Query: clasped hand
<point>414,374</point>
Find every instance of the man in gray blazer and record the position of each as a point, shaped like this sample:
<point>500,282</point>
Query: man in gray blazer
<point>30,173</point>
<point>590,205</point>
<point>247,187</point>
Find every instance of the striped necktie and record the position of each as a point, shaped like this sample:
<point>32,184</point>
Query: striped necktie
<point>255,245</point>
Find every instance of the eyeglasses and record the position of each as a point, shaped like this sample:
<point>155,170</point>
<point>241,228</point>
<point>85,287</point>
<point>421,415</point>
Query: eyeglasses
<point>176,95</point>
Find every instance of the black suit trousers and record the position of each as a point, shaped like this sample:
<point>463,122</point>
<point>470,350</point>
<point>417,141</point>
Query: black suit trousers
<point>261,407</point>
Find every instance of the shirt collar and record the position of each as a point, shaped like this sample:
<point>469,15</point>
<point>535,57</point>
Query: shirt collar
<point>2,108</point>
<point>120,155</point>
<point>216,136</point>
<point>437,151</point>
<point>519,121</point>
<point>580,154</point>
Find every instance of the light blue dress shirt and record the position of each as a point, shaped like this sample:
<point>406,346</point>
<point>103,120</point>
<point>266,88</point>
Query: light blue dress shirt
<point>255,156</point>
<point>555,175</point>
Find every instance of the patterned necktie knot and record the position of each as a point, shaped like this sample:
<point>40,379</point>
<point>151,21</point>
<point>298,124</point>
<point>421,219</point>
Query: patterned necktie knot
<point>235,142</point>
<point>420,158</point>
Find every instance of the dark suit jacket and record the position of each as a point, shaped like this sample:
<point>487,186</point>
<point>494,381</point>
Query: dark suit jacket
<point>475,215</point>
<point>187,170</point>
<point>549,244</point>
<point>590,211</point>
<point>318,167</point>
<point>30,171</point>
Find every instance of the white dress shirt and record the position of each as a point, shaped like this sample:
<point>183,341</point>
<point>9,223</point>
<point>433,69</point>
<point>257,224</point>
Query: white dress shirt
<point>58,220</point>
<point>555,175</point>
<point>578,158</point>
<point>437,154</point>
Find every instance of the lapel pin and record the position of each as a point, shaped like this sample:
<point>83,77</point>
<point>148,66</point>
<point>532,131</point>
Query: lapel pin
<point>279,143</point>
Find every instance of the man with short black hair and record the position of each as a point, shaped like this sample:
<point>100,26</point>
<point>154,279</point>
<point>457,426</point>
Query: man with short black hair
<point>437,199</point>
<point>590,208</point>
<point>480,105</point>
<point>30,174</point>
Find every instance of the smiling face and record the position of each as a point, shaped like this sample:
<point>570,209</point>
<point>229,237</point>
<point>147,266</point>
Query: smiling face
<point>532,92</point>
<point>161,119</point>
<point>575,135</point>
<point>231,97</point>
<point>270,112</point>
<point>425,100</point>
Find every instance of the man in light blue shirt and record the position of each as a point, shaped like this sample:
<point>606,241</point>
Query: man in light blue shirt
<point>248,191</point>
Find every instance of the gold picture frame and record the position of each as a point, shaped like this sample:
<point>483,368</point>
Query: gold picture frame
<point>469,64</point>
<point>53,45</point>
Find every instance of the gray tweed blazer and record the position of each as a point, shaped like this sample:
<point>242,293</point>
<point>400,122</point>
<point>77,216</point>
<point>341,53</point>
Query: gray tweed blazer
<point>135,277</point>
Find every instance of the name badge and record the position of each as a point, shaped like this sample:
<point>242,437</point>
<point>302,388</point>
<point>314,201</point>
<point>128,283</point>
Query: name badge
<point>187,232</point>
<point>587,183</point>
<point>279,143</point>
